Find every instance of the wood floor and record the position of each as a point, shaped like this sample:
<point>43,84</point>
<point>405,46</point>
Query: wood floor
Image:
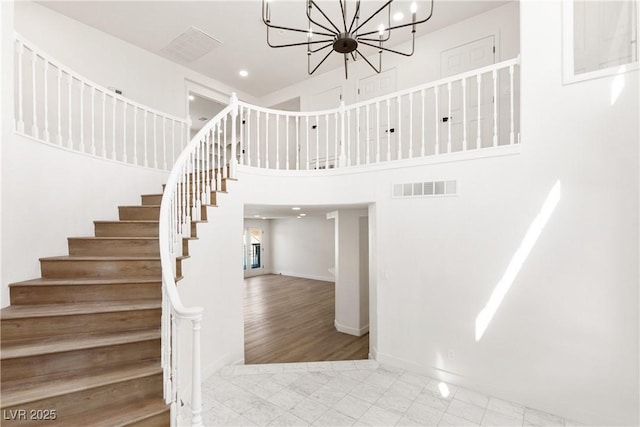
<point>288,319</point>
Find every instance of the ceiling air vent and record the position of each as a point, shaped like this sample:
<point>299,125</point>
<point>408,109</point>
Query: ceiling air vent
<point>190,45</point>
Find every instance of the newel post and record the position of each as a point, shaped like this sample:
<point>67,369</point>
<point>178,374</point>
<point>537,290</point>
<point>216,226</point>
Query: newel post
<point>233,161</point>
<point>342,159</point>
<point>196,380</point>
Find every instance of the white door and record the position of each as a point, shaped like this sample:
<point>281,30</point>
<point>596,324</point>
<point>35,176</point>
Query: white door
<point>371,87</point>
<point>322,147</point>
<point>457,60</point>
<point>253,262</point>
<point>604,34</point>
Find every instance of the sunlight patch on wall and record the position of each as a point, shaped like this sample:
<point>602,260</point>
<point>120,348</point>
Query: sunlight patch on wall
<point>535,229</point>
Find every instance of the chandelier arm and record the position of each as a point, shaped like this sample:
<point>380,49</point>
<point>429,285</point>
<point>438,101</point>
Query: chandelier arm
<point>344,16</point>
<point>346,67</point>
<point>413,46</point>
<point>355,15</point>
<point>319,64</point>
<point>374,14</point>
<point>299,44</point>
<point>402,25</point>
<point>333,33</point>
<point>329,43</point>
<point>377,70</point>
<point>297,30</point>
<point>323,14</point>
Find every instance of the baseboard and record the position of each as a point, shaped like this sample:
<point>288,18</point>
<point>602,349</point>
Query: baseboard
<point>351,331</point>
<point>306,276</point>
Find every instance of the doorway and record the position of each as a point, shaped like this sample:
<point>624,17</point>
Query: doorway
<point>253,251</point>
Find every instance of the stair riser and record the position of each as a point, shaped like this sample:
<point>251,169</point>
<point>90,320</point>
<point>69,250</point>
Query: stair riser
<point>21,295</point>
<point>163,419</point>
<point>118,247</point>
<point>100,268</point>
<point>223,186</point>
<point>86,401</point>
<point>51,326</point>
<point>123,229</point>
<point>62,364</point>
<point>147,213</point>
<point>156,199</point>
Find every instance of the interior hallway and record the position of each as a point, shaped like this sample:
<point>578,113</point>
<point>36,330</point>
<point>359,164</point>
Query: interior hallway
<point>289,319</point>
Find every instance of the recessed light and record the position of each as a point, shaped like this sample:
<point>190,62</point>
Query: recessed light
<point>191,97</point>
<point>295,209</point>
<point>303,214</point>
<point>298,217</point>
<point>398,16</point>
<point>256,216</point>
<point>243,73</point>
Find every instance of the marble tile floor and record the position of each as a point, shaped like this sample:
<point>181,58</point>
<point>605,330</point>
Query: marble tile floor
<point>351,393</point>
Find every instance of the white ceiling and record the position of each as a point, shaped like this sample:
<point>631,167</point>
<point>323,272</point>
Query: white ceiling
<point>152,25</point>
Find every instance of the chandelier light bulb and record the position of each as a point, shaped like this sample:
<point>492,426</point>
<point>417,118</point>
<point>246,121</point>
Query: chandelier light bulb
<point>381,29</point>
<point>414,7</point>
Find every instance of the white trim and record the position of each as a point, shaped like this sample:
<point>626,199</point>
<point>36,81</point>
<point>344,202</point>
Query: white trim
<point>568,73</point>
<point>349,330</point>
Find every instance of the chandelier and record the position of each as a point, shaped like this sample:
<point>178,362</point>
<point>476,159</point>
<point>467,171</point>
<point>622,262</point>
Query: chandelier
<point>348,37</point>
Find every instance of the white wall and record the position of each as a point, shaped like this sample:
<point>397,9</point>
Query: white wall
<point>142,76</point>
<point>303,247</point>
<point>267,253</point>
<point>213,280</point>
<point>51,194</point>
<point>423,66</point>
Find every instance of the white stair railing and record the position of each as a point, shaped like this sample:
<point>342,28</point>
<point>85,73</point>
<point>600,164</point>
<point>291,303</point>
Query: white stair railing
<point>199,170</point>
<point>462,113</point>
<point>58,106</point>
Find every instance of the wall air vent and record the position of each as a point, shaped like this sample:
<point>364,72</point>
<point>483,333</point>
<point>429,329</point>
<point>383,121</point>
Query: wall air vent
<point>425,189</point>
<point>190,45</point>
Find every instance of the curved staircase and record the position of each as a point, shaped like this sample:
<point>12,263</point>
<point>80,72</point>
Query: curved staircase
<point>81,346</point>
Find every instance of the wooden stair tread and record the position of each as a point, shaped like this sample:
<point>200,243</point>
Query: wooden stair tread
<point>21,392</point>
<point>43,281</point>
<point>99,258</point>
<point>40,346</point>
<point>122,238</point>
<point>46,310</point>
<point>121,415</point>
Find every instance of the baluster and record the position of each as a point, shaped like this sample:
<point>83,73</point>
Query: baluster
<point>173,141</point>
<point>377,124</point>
<point>511,131</point>
<point>194,196</point>
<point>307,123</point>
<point>437,122</point>
<point>104,125</point>
<point>219,169</point>
<point>326,149</point>
<point>287,150</point>
<point>297,142</point>
<point>34,127</point>
<point>93,120</point>
<point>225,171</point>
<point>335,141</point>
<point>464,114</point>
<point>388,130</point>
<point>233,161</point>
<point>479,138</point>
<point>45,134</point>
<point>422,130</point>
<point>164,142</point>
<point>175,373</point>
<point>399,142</point>
<point>144,142</point>
<point>368,135</point>
<point>207,167</point>
<point>124,131</point>
<point>341,161</point>
<point>59,105</point>
<point>248,137</point>
<point>242,142</point>
<point>258,150</point>
<point>266,140</point>
<point>69,118</point>
<point>358,136</point>
<point>135,134</point>
<point>317,142</point>
<point>411,125</point>
<point>81,116</point>
<point>495,108</point>
<point>20,121</point>
<point>277,141</point>
<point>348,137</point>
<point>155,141</point>
<point>449,118</point>
<point>113,127</point>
